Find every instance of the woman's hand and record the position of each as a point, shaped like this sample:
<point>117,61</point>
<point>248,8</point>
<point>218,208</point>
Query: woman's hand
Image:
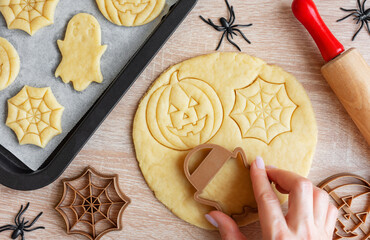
<point>310,215</point>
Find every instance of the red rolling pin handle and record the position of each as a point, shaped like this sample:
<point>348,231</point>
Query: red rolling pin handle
<point>306,12</point>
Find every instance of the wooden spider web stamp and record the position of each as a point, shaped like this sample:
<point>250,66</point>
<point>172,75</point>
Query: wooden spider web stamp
<point>92,204</point>
<point>351,193</point>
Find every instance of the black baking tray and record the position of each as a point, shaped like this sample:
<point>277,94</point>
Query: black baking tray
<point>16,175</point>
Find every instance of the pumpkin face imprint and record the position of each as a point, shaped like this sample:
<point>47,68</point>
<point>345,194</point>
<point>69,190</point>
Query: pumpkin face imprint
<point>185,113</point>
<point>9,63</point>
<point>130,12</point>
<point>351,194</point>
<point>135,7</point>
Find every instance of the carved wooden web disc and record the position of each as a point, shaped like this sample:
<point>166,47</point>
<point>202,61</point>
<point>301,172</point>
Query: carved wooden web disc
<point>92,204</point>
<point>351,194</point>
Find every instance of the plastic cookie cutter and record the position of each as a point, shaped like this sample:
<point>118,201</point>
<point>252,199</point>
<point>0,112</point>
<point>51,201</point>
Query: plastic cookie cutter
<point>92,204</point>
<point>352,222</point>
<point>208,169</point>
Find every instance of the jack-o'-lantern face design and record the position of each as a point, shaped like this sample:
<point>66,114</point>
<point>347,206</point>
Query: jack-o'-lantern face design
<point>130,12</point>
<point>9,63</point>
<point>351,195</point>
<point>134,6</point>
<point>184,113</point>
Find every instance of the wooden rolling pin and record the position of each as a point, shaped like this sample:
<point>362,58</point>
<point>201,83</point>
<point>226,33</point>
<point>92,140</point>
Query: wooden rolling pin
<point>347,72</point>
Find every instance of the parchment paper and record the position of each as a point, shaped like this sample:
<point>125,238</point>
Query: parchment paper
<point>40,57</point>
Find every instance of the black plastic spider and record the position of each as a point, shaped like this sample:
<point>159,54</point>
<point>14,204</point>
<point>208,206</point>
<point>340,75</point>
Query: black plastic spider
<point>361,15</point>
<point>228,27</point>
<point>21,226</point>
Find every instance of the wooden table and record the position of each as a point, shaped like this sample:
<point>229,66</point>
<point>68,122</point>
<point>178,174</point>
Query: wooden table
<point>277,38</point>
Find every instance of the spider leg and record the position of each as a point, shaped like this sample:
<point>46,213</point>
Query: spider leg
<point>209,22</point>
<point>17,218</point>
<point>222,38</point>
<point>34,220</point>
<point>230,8</point>
<point>6,228</point>
<point>349,10</point>
<point>245,25</point>
<point>232,17</point>
<point>360,6</point>
<point>367,25</point>
<point>346,17</point>
<point>22,236</point>
<point>218,28</point>
<point>354,36</point>
<point>245,38</point>
<point>22,212</point>
<point>363,5</point>
<point>33,229</point>
<point>233,43</point>
<point>233,33</point>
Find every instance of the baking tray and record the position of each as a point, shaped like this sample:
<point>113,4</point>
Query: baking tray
<point>16,175</point>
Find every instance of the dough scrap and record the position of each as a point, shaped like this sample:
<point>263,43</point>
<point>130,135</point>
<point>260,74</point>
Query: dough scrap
<point>9,63</point>
<point>130,12</point>
<point>81,51</point>
<point>28,15</point>
<point>229,99</point>
<point>35,116</point>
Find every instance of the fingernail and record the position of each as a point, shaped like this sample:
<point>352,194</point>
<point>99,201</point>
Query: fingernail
<point>260,163</point>
<point>211,220</point>
<point>271,167</point>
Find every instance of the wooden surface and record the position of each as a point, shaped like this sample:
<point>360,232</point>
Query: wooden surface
<point>277,38</point>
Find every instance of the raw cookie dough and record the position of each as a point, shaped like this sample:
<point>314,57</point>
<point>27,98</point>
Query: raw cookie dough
<point>9,63</point>
<point>229,99</point>
<point>81,51</point>
<point>131,12</point>
<point>28,15</point>
<point>35,116</point>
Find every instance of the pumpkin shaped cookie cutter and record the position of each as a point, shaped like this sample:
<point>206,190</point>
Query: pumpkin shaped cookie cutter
<point>353,224</point>
<point>207,170</point>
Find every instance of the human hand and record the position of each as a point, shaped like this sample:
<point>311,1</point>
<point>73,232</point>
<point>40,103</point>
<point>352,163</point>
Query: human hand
<point>310,215</point>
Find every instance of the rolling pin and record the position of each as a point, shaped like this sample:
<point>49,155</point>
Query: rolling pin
<point>347,72</point>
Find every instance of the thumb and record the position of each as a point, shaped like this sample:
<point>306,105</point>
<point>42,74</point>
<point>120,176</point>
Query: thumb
<point>229,230</point>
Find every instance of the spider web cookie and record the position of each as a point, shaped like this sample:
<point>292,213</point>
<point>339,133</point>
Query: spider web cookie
<point>28,15</point>
<point>9,63</point>
<point>35,116</point>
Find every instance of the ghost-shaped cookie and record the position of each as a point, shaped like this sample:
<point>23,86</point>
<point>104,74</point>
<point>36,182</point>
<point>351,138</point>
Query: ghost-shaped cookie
<point>81,52</point>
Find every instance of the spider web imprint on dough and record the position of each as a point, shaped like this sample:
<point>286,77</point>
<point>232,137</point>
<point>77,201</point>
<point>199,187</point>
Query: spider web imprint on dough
<point>35,114</point>
<point>28,15</point>
<point>92,210</point>
<point>263,110</point>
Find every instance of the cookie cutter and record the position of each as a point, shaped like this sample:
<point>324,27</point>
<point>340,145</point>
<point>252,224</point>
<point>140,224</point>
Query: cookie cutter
<point>345,203</point>
<point>96,207</point>
<point>208,169</point>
